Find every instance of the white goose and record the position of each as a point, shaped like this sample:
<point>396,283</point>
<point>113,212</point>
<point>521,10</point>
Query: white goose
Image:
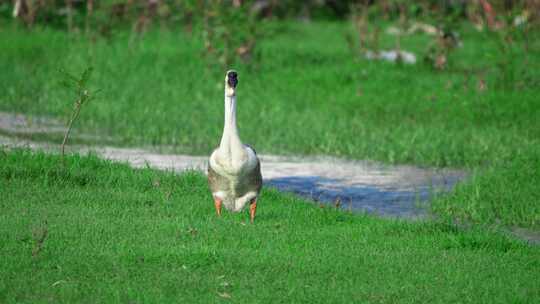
<point>234,171</point>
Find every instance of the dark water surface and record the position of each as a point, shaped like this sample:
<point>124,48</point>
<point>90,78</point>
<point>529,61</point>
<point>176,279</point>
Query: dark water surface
<point>391,191</point>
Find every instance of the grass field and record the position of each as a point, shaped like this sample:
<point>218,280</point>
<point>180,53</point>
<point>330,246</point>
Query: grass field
<point>310,94</point>
<point>313,97</point>
<point>92,231</point>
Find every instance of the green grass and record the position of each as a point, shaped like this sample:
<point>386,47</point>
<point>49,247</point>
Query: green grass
<point>308,95</point>
<point>506,194</point>
<point>313,97</point>
<point>115,234</point>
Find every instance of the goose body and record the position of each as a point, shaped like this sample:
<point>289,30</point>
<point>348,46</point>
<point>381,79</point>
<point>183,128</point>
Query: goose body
<point>234,170</point>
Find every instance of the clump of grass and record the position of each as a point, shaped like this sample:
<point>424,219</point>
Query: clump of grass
<point>230,33</point>
<point>366,34</point>
<point>439,50</point>
<point>39,235</point>
<point>506,194</point>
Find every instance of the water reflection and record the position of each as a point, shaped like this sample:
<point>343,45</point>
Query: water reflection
<point>390,201</point>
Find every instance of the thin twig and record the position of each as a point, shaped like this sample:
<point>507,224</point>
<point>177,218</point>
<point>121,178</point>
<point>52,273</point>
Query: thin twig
<point>73,118</point>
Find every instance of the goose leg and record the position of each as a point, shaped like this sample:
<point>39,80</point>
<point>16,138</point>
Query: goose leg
<point>217,203</point>
<point>252,209</point>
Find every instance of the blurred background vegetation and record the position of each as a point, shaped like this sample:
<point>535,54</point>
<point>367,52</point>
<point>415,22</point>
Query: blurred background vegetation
<point>231,28</point>
<point>104,15</point>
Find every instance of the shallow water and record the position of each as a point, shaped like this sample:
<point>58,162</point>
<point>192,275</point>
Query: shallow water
<point>391,191</point>
<point>399,191</point>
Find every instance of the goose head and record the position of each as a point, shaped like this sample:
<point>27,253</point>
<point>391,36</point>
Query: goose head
<point>231,80</point>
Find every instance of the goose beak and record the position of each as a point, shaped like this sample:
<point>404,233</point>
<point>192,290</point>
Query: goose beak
<point>231,81</point>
